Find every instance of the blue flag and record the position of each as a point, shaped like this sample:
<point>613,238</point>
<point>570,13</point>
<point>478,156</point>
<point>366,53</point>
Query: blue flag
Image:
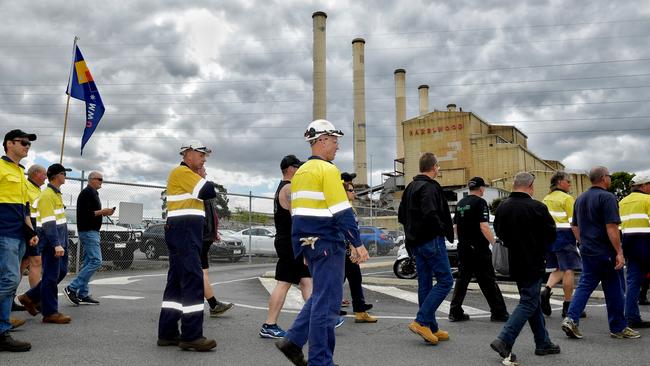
<point>82,87</point>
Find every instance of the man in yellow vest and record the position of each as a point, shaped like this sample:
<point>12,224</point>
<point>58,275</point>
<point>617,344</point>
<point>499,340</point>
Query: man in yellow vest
<point>635,224</point>
<point>562,258</point>
<point>183,296</point>
<point>53,231</point>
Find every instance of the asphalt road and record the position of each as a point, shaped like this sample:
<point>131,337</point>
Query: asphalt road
<point>122,330</point>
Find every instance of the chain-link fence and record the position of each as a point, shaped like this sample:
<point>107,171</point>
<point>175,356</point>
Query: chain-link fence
<point>246,226</point>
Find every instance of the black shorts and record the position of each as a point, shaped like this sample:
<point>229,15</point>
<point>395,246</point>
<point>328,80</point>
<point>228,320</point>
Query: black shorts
<point>291,270</point>
<point>205,263</point>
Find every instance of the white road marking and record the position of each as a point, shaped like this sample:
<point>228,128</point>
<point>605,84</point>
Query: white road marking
<point>122,280</point>
<point>516,297</point>
<point>294,297</point>
<point>119,297</point>
<point>413,297</point>
<point>237,280</point>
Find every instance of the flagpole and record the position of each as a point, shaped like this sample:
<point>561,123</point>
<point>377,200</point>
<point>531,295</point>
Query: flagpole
<point>67,104</point>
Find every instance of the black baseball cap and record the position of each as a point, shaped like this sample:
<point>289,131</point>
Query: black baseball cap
<point>290,160</point>
<point>55,169</point>
<point>476,182</point>
<point>348,177</point>
<point>14,134</point>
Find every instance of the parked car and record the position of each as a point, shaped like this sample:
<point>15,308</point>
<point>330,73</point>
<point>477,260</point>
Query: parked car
<point>136,229</point>
<point>261,239</point>
<point>153,245</point>
<point>398,237</point>
<point>117,243</point>
<point>376,240</point>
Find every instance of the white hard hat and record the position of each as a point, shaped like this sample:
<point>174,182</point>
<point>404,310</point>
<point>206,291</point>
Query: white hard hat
<point>640,180</point>
<point>196,146</point>
<point>319,128</point>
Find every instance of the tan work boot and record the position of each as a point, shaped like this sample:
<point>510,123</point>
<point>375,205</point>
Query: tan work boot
<point>15,323</point>
<point>29,305</point>
<point>441,335</point>
<point>200,344</point>
<point>424,332</point>
<point>364,317</point>
<point>57,318</point>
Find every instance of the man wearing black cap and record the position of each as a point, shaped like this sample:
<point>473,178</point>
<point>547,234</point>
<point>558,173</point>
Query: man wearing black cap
<point>289,270</point>
<point>474,255</point>
<point>15,229</point>
<point>53,231</point>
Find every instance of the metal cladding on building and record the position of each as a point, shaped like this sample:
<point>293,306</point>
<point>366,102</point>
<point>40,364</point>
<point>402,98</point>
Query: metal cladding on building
<point>423,92</point>
<point>359,96</point>
<point>400,109</point>
<point>467,146</point>
<point>319,54</point>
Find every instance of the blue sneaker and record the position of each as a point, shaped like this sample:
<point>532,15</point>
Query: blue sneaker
<point>339,322</point>
<point>272,331</point>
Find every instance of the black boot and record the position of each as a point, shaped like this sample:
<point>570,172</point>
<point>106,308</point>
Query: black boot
<point>9,344</point>
<point>565,310</point>
<point>643,295</point>
<point>545,300</point>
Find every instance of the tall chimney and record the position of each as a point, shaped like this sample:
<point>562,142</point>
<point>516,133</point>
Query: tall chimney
<point>400,108</point>
<point>359,95</point>
<point>320,97</point>
<point>423,91</point>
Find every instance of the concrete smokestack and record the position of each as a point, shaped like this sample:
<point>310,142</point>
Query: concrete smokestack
<point>400,109</point>
<point>359,94</point>
<point>423,91</point>
<point>320,97</point>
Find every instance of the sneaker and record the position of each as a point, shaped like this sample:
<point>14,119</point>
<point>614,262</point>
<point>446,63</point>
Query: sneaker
<point>545,300</point>
<point>15,323</point>
<point>424,332</point>
<point>628,333</point>
<point>87,301</point>
<point>30,307</point>
<point>458,317</point>
<point>639,324</point>
<point>220,309</point>
<point>570,328</point>
<point>168,342</point>
<point>364,317</point>
<point>200,344</point>
<point>291,351</point>
<point>500,318</point>
<point>57,318</point>
<point>12,345</point>
<point>272,331</point>
<point>71,296</point>
<point>547,349</point>
<point>339,322</point>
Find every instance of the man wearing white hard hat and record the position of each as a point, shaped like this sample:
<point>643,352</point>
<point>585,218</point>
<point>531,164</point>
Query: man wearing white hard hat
<point>322,221</point>
<point>183,296</point>
<point>635,224</point>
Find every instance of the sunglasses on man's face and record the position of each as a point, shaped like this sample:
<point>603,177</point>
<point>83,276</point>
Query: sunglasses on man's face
<point>23,142</point>
<point>99,179</point>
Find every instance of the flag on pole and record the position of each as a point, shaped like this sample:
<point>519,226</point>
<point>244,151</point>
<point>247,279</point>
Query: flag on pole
<point>82,86</point>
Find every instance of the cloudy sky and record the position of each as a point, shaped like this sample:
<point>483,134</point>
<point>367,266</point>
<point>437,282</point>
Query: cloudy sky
<point>237,75</point>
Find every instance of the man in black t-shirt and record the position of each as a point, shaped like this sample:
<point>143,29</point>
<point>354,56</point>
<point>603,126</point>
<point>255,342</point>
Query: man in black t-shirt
<point>474,254</point>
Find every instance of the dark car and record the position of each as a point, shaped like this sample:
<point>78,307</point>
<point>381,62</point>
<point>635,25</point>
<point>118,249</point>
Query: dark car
<point>376,240</point>
<point>152,244</point>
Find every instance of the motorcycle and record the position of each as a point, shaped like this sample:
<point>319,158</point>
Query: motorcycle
<point>404,266</point>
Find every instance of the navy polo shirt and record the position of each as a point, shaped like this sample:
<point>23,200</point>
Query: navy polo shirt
<point>591,212</point>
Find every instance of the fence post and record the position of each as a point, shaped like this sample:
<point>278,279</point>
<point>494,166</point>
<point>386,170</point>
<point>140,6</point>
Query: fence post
<point>250,224</point>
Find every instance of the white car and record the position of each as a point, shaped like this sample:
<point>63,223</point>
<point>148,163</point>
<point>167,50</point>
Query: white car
<point>261,239</point>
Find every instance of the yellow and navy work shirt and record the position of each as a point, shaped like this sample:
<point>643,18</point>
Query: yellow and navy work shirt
<point>13,198</point>
<point>320,208</point>
<point>560,206</point>
<point>34,192</point>
<point>635,213</point>
<point>186,191</point>
<point>51,220</point>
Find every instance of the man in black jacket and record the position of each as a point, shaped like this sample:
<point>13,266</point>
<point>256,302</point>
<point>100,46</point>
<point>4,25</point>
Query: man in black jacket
<point>526,228</point>
<point>427,222</point>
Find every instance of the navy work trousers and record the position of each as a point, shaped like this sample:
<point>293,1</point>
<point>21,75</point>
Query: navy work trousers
<point>54,271</point>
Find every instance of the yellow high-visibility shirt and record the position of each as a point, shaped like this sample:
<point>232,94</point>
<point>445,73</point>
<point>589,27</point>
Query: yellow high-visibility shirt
<point>635,213</point>
<point>183,187</point>
<point>34,192</point>
<point>560,206</point>
<point>13,198</point>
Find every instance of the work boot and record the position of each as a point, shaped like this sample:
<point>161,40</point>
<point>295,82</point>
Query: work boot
<point>200,344</point>
<point>442,335</point>
<point>168,342</point>
<point>545,300</point>
<point>424,332</point>
<point>458,317</point>
<point>12,345</point>
<point>291,351</point>
<point>57,318</point>
<point>364,317</point>
<point>29,305</point>
<point>15,323</point>
<point>547,349</point>
<point>504,351</point>
<point>17,307</point>
<point>565,310</point>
